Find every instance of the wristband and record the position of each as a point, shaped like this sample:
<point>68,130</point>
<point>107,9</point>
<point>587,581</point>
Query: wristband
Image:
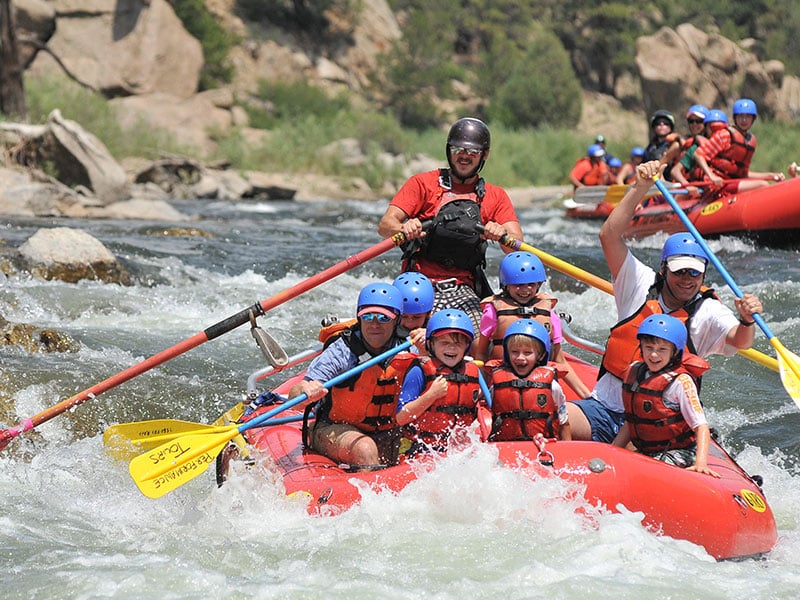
<point>746,323</point>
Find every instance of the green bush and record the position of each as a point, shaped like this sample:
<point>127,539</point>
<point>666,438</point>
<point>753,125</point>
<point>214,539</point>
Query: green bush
<point>97,116</point>
<point>541,89</point>
<point>214,39</point>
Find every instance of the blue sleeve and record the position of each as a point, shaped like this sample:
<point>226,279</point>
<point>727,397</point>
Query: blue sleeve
<point>335,360</point>
<point>413,386</point>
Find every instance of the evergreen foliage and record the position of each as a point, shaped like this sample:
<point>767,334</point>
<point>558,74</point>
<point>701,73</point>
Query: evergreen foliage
<point>214,39</point>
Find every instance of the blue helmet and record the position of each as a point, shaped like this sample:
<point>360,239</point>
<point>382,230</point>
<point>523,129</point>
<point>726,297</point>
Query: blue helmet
<point>716,116</point>
<point>381,294</point>
<point>614,162</point>
<point>450,319</point>
<point>697,110</point>
<point>417,291</point>
<point>667,328</point>
<point>637,151</point>
<point>682,244</point>
<point>745,106</point>
<point>530,328</point>
<point>595,151</point>
<point>517,268</point>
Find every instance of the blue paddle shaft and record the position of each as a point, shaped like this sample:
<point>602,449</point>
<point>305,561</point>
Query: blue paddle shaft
<point>261,419</point>
<point>713,257</point>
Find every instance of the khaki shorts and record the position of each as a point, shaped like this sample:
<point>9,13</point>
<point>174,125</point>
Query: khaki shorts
<point>332,440</point>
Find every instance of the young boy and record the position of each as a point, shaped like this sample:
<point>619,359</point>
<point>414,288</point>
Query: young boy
<point>441,390</point>
<point>417,291</point>
<point>663,415</point>
<point>527,398</point>
<point>521,277</point>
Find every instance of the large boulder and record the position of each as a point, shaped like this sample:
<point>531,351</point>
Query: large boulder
<point>684,66</point>
<point>36,23</point>
<point>71,255</point>
<point>81,159</point>
<point>124,47</point>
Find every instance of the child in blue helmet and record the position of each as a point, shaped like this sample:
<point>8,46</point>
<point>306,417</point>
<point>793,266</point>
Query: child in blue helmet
<point>355,423</point>
<point>418,295</point>
<point>527,399</point>
<point>663,414</point>
<point>440,391</point>
<point>521,277</point>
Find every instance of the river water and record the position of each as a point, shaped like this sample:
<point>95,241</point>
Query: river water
<point>73,524</point>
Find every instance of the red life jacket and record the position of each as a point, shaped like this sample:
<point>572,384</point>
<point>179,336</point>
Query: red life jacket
<point>508,310</point>
<point>368,401</point>
<point>622,347</point>
<point>457,407</point>
<point>735,160</point>
<point>655,427</point>
<point>523,407</point>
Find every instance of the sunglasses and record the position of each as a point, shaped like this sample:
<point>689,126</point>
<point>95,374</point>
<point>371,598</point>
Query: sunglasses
<point>469,151</point>
<point>685,272</point>
<point>662,122</point>
<point>380,318</point>
<point>695,121</point>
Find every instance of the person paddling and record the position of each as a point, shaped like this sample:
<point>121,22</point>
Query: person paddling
<point>639,291</point>
<point>729,152</point>
<point>451,252</point>
<point>355,423</point>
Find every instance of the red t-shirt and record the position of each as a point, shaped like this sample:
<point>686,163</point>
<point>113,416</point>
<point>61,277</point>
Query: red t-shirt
<point>419,198</point>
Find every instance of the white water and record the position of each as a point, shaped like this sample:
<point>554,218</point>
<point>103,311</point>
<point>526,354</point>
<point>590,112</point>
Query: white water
<point>73,524</point>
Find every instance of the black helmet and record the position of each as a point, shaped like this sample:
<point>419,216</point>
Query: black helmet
<point>469,133</point>
<point>663,114</point>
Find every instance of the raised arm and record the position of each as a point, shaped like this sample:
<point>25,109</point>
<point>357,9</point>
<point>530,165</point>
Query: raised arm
<point>613,230</point>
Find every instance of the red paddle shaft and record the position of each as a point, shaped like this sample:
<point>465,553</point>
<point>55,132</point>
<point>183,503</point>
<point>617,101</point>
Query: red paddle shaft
<point>212,332</point>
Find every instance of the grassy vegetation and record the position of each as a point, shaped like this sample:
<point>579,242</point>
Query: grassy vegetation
<point>295,141</point>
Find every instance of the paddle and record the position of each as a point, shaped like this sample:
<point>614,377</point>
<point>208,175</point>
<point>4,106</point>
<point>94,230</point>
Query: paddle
<point>788,363</point>
<point>170,465</point>
<point>605,286</point>
<point>125,440</point>
<point>232,322</point>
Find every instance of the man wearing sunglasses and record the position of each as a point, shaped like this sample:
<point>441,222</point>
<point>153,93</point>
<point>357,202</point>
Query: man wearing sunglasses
<point>639,292</point>
<point>450,251</point>
<point>355,421</point>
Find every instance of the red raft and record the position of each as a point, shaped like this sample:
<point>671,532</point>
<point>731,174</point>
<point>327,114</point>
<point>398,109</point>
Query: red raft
<point>769,215</point>
<point>728,516</point>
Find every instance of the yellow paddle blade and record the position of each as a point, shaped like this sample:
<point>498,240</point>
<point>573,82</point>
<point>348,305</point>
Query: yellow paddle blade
<point>789,365</point>
<point>170,465</point>
<point>126,440</point>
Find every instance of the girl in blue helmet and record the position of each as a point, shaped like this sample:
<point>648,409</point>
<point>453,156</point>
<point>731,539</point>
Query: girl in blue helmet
<point>663,414</point>
<point>441,390</point>
<point>639,291</point>
<point>684,169</point>
<point>729,151</point>
<point>527,399</point>
<point>355,422</point>
<point>521,277</point>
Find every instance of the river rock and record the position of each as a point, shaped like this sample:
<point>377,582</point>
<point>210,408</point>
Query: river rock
<point>71,255</point>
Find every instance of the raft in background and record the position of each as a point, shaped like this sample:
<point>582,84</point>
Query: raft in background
<point>769,215</point>
<point>728,516</point>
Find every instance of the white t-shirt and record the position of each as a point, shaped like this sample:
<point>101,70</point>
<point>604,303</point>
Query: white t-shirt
<point>708,328</point>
